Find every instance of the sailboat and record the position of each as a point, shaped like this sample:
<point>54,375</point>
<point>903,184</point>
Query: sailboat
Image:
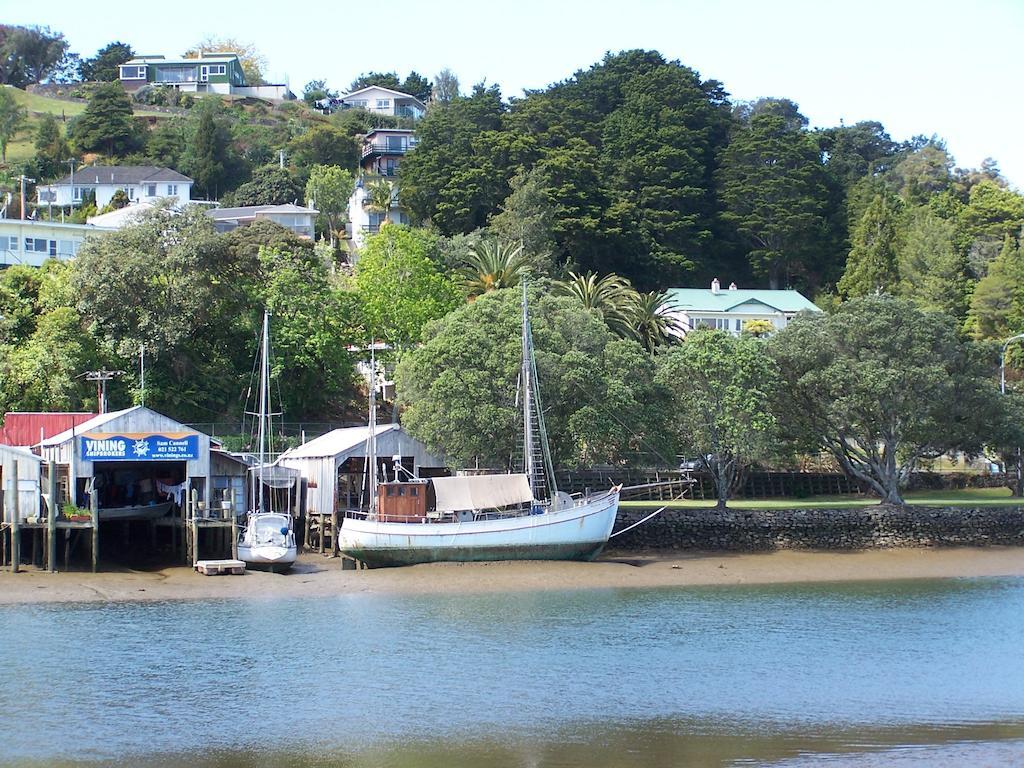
<point>479,517</point>
<point>268,538</point>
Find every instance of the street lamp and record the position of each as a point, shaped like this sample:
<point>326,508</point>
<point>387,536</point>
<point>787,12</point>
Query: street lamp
<point>1002,361</point>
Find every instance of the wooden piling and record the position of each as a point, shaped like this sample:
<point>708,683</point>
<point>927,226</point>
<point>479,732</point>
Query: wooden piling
<point>94,508</point>
<point>194,525</point>
<point>11,498</point>
<point>234,531</point>
<point>51,517</point>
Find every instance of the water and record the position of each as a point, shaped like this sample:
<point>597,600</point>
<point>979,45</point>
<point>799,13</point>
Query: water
<point>889,673</point>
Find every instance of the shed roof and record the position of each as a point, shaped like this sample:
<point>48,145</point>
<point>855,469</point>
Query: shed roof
<point>24,428</point>
<point>253,211</point>
<point>337,442</point>
<point>17,453</point>
<point>123,174</point>
<point>704,299</point>
<point>104,418</point>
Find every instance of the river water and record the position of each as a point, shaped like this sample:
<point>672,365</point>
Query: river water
<point>886,673</point>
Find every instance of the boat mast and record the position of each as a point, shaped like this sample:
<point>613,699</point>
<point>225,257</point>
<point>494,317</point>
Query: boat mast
<point>264,405</point>
<point>527,383</point>
<point>372,437</point>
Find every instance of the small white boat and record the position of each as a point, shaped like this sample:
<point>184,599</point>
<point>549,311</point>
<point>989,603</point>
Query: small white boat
<point>480,517</point>
<point>268,538</point>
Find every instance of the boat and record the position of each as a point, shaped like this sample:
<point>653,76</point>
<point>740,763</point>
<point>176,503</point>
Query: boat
<point>137,512</point>
<point>268,538</point>
<point>479,517</point>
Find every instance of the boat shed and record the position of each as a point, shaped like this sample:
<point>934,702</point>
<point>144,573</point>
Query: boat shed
<point>19,483</point>
<point>334,465</point>
<point>128,454</point>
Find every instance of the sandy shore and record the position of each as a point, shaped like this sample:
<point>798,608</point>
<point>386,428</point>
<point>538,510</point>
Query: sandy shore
<point>315,576</point>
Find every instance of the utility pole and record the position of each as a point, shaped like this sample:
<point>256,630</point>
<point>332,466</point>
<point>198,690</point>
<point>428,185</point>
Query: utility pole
<point>142,373</point>
<point>101,378</point>
<point>280,155</point>
<point>72,162</point>
<point>23,178</point>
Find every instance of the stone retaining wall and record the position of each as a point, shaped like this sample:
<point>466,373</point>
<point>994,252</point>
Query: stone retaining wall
<point>751,530</point>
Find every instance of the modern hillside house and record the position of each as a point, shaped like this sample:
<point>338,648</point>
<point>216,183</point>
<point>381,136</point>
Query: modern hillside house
<point>141,183</point>
<point>299,220</point>
<point>382,153</point>
<point>729,309</point>
<point>219,73</point>
<point>384,101</point>
<point>33,241</point>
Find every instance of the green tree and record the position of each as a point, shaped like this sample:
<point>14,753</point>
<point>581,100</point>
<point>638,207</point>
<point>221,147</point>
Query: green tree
<point>772,185</point>
<point>383,79</point>
<point>611,297</point>
<point>600,400</point>
<point>416,85</point>
<point>29,54</point>
<point>491,265</point>
<point>880,385</point>
<point>107,125</point>
<point>997,304</point>
<point>526,216</point>
<point>315,90</point>
<point>933,273</point>
<point>269,185</point>
<point>209,157</point>
<point>446,86</point>
<point>324,145</point>
<point>104,65</point>
<point>652,320</point>
<point>922,172</point>
<point>400,286</point>
<point>872,264</point>
<point>165,144</point>
<point>12,118</point>
<point>722,392</point>
<point>328,190</point>
<point>52,150</point>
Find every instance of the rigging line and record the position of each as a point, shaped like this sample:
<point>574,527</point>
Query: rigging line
<point>615,418</point>
<point>639,522</point>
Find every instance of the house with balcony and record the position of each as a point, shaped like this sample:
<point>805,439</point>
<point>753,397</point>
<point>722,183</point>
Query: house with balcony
<point>141,183</point>
<point>375,200</point>
<point>731,309</point>
<point>384,101</point>
<point>32,241</point>
<point>219,73</point>
<point>299,220</point>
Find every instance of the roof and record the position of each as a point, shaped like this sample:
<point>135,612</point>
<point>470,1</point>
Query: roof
<point>24,428</point>
<point>19,453</point>
<point>386,90</point>
<point>704,300</point>
<point>403,131</point>
<point>122,174</point>
<point>120,217</point>
<point>336,442</point>
<point>87,426</point>
<point>219,56</point>
<point>252,211</point>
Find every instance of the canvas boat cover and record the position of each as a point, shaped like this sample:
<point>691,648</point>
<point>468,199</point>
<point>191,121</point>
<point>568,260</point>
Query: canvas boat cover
<point>481,492</point>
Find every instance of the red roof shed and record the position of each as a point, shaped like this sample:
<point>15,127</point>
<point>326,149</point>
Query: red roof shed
<point>26,429</point>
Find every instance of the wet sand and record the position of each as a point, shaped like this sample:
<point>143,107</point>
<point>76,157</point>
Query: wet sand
<point>316,576</point>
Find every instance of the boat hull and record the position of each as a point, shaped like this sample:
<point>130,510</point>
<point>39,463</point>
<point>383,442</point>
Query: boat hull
<point>268,556</point>
<point>579,532</point>
<point>149,512</point>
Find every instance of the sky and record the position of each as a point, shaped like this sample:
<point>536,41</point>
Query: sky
<point>947,68</point>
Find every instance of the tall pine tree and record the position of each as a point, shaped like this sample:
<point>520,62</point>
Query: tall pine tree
<point>872,266</point>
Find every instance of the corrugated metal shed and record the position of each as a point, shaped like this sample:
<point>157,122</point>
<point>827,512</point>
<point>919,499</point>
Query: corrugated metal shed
<point>26,489</point>
<point>318,460</point>
<point>24,428</point>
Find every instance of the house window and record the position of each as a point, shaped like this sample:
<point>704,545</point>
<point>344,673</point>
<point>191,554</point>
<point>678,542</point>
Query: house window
<point>383,103</point>
<point>172,189</point>
<point>396,143</point>
<point>10,243</point>
<point>66,248</point>
<point>40,245</point>
<point>359,103</point>
<point>218,69</point>
<point>739,324</point>
<point>80,193</point>
<point>133,72</point>
<point>151,190</point>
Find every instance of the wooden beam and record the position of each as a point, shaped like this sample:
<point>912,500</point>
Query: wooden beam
<point>51,517</point>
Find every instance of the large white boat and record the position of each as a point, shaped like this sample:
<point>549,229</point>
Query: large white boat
<point>480,517</point>
<point>268,538</point>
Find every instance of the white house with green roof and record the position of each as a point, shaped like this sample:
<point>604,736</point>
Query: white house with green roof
<point>730,308</point>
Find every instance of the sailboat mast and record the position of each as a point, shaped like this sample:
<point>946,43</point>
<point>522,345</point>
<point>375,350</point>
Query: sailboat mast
<point>527,381</point>
<point>264,405</point>
<point>372,438</point>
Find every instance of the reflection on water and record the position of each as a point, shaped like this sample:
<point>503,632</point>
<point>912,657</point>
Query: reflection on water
<point>787,675</point>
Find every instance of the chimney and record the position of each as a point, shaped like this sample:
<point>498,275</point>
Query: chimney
<point>732,286</point>
<point>715,286</point>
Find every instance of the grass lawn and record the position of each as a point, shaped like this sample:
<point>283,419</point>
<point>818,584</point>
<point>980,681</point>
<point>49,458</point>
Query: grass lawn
<point>22,146</point>
<point>965,497</point>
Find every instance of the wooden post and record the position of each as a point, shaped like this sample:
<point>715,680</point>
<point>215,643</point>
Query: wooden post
<point>195,527</point>
<point>12,504</point>
<point>94,507</point>
<point>234,531</point>
<point>51,517</point>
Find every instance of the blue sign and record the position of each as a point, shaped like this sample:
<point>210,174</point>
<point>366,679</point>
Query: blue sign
<point>146,446</point>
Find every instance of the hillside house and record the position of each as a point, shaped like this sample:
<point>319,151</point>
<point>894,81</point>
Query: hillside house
<point>33,241</point>
<point>382,153</point>
<point>729,309</point>
<point>384,101</point>
<point>298,219</point>
<point>219,73</point>
<point>141,183</point>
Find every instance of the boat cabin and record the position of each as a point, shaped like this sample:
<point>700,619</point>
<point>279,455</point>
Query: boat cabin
<point>404,502</point>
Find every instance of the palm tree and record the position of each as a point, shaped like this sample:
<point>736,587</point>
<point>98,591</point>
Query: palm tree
<point>492,264</point>
<point>652,320</point>
<point>611,296</point>
<point>379,198</point>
